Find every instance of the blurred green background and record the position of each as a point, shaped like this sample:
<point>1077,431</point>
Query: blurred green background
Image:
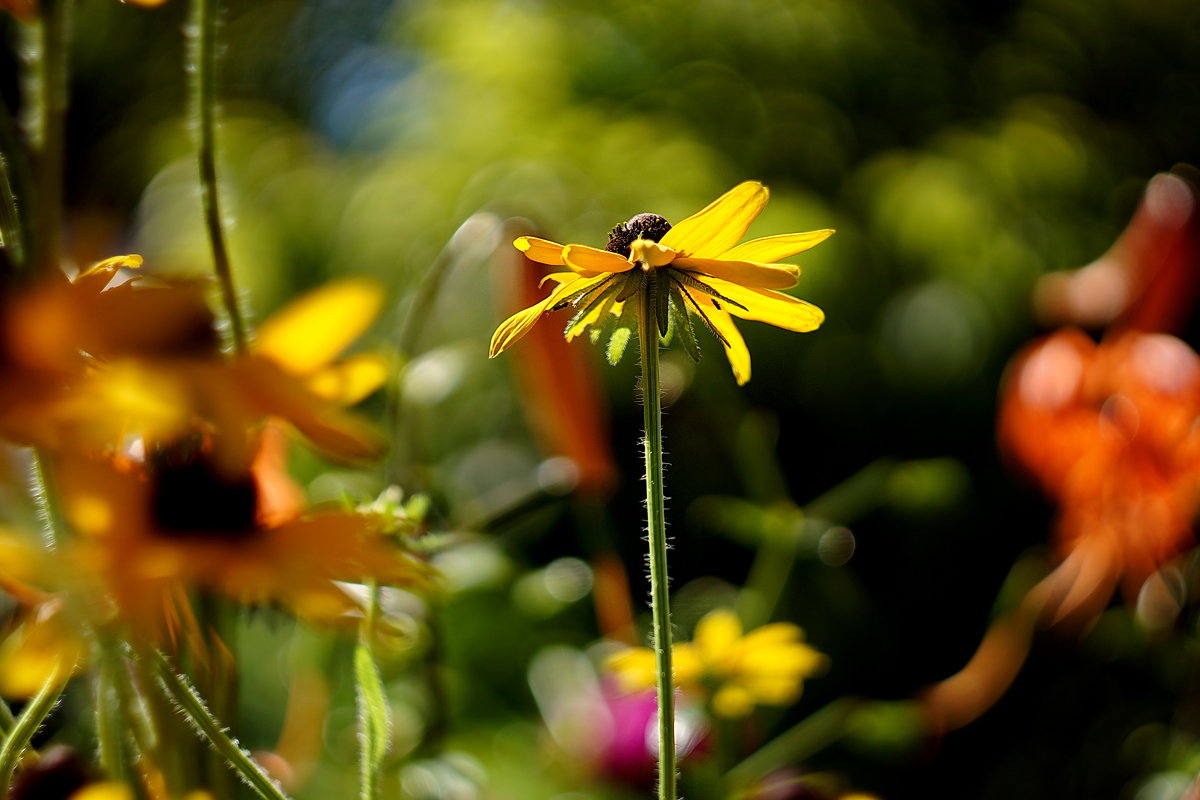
<point>960,149</point>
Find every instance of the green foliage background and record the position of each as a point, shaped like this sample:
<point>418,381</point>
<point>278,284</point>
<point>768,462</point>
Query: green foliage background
<point>961,150</point>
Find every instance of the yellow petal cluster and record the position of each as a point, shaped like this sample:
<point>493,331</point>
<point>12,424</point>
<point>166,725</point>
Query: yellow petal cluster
<point>736,671</point>
<point>739,280</point>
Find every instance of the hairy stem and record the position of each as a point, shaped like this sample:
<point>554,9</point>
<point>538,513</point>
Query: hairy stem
<point>180,692</point>
<point>27,724</point>
<point>46,97</point>
<point>657,535</point>
<point>204,110</point>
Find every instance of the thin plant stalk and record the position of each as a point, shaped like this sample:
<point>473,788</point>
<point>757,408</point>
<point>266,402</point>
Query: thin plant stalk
<point>10,222</point>
<point>204,110</point>
<point>46,98</point>
<point>109,723</point>
<point>27,724</point>
<point>7,720</point>
<point>180,692</point>
<point>373,718</point>
<point>657,535</point>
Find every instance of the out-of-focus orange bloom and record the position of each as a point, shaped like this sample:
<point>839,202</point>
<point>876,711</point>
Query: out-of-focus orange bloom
<point>147,530</point>
<point>562,393</point>
<point>57,333</point>
<point>27,9</point>
<point>86,363</point>
<point>1148,278</point>
<point>1109,433</point>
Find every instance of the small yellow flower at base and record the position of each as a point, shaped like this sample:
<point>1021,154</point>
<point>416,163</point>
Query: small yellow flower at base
<point>764,667</point>
<point>108,790</point>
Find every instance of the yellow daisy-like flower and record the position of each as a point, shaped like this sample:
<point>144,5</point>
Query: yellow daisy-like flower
<point>764,667</point>
<point>694,268</point>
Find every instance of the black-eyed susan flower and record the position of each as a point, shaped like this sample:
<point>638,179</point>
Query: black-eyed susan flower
<point>95,362</point>
<point>735,671</point>
<point>695,268</point>
<point>148,530</point>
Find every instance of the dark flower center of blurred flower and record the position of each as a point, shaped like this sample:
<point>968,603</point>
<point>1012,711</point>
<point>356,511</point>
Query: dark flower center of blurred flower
<point>192,498</point>
<point>57,775</point>
<point>643,226</point>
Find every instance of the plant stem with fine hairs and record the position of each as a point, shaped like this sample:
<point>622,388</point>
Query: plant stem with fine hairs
<point>204,109</point>
<point>657,536</point>
<point>46,95</point>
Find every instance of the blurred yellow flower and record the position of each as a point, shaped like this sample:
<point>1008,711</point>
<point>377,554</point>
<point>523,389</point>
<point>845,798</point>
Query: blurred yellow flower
<point>40,641</point>
<point>764,667</point>
<point>95,362</point>
<point>149,530</point>
<point>694,268</point>
<point>108,790</point>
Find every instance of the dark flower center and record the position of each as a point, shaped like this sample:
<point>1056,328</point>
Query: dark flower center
<point>643,226</point>
<point>191,497</point>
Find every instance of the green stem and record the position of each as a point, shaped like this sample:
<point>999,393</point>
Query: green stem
<point>657,533</point>
<point>368,690</point>
<point>108,712</point>
<point>7,720</point>
<point>27,724</point>
<point>798,743</point>
<point>10,223</point>
<point>204,109</point>
<point>40,489</point>
<point>179,691</point>
<point>47,102</point>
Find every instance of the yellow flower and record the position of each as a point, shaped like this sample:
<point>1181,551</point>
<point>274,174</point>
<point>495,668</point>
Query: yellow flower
<point>40,641</point>
<point>85,364</point>
<point>764,667</point>
<point>694,268</point>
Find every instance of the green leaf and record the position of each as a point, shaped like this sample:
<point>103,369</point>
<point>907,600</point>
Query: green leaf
<point>681,321</point>
<point>374,716</point>
<point>617,343</point>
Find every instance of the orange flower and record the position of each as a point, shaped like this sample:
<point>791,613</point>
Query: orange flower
<point>149,530</point>
<point>86,363</point>
<point>1108,432</point>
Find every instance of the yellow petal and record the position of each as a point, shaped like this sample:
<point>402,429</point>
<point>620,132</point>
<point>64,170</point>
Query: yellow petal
<point>650,253</point>
<point>721,224</point>
<point>132,261</point>
<point>310,332</point>
<point>736,351</point>
<point>108,790</point>
<point>773,248</point>
<point>774,308</point>
<point>687,667</point>
<point>519,324</point>
<point>542,251</point>
<point>743,273</point>
<point>351,379</point>
<point>732,701</point>
<point>590,261</point>
<point>715,636</point>
<point>634,668</point>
